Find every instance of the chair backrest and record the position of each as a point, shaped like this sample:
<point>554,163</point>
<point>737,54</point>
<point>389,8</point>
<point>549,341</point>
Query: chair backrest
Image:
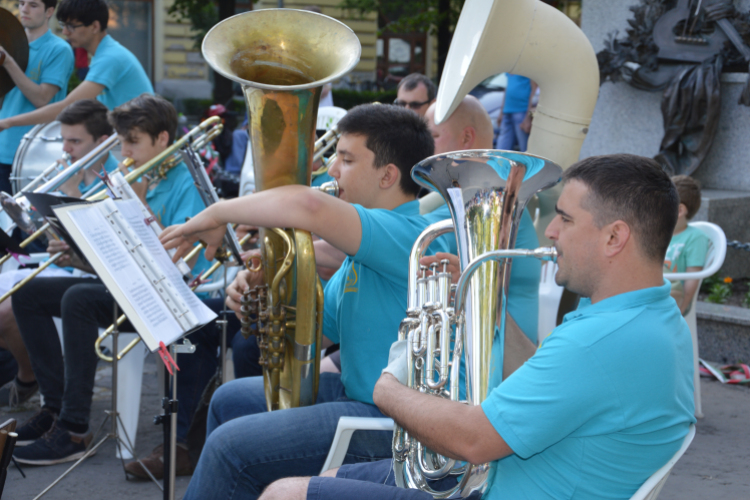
<point>653,485</point>
<point>717,252</point>
<point>328,116</point>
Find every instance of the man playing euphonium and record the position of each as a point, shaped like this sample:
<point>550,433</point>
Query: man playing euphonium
<point>605,401</point>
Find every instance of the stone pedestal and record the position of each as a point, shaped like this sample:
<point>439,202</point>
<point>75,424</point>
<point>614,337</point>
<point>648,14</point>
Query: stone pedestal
<point>628,120</point>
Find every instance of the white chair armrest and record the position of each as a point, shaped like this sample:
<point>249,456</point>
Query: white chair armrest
<point>344,431</point>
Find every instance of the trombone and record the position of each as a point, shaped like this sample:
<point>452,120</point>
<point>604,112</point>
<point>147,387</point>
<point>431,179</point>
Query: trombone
<point>43,184</point>
<point>204,132</point>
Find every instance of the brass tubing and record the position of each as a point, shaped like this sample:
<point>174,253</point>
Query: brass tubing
<point>31,276</point>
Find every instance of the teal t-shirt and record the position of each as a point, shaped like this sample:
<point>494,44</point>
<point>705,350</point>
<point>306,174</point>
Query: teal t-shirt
<point>109,165</point>
<point>523,295</point>
<point>320,179</point>
<point>610,393</point>
<point>50,61</point>
<point>119,71</point>
<point>175,198</point>
<point>366,299</point>
<point>686,249</point>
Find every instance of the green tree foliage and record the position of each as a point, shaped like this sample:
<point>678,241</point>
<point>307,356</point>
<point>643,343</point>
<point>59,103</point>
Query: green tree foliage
<point>202,15</point>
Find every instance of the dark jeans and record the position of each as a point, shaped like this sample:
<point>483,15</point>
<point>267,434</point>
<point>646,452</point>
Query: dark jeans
<point>196,369</point>
<point>84,305</point>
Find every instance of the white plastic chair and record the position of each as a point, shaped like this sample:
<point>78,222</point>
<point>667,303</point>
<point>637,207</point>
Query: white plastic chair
<point>344,431</point>
<point>717,251</point>
<point>653,485</point>
<point>328,116</point>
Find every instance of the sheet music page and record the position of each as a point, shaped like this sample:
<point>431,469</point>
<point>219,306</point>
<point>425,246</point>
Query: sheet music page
<point>116,264</point>
<point>131,211</point>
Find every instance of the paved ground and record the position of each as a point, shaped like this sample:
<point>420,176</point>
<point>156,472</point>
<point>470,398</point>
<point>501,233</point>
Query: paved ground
<point>715,465</point>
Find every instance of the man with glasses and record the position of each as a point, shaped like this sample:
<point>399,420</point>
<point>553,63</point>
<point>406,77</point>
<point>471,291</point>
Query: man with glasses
<point>416,92</point>
<point>115,76</point>
<point>45,79</point>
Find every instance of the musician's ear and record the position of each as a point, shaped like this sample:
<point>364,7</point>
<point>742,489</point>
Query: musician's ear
<point>618,235</point>
<point>390,175</point>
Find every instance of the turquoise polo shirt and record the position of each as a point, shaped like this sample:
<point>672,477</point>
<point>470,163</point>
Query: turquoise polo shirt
<point>175,198</point>
<point>523,295</point>
<point>109,165</point>
<point>365,300</point>
<point>321,179</point>
<point>610,394</point>
<point>119,71</point>
<point>50,61</point>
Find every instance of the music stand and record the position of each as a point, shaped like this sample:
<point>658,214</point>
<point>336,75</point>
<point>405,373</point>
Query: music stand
<point>114,416</point>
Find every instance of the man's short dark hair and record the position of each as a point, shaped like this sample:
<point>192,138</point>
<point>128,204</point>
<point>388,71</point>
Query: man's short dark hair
<point>84,11</point>
<point>633,189</point>
<point>410,82</point>
<point>147,113</point>
<point>49,4</point>
<point>689,191</point>
<point>90,113</point>
<point>396,135</point>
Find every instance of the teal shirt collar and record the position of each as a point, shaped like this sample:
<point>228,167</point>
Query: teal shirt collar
<point>408,208</point>
<point>41,40</point>
<point>622,301</point>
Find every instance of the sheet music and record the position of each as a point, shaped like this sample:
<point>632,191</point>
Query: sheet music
<point>132,214</point>
<point>124,271</point>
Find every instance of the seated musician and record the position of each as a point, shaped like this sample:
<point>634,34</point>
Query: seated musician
<point>45,80</point>
<point>365,301</point>
<point>115,76</point>
<point>83,126</point>
<point>609,391</point>
<point>59,432</point>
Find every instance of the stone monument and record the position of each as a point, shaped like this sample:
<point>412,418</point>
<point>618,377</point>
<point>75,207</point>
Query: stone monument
<point>628,120</point>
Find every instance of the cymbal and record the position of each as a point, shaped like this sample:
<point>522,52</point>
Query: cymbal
<point>14,41</point>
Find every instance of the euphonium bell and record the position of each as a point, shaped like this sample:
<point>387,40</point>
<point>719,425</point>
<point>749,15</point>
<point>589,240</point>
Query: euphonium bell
<point>282,58</point>
<point>486,192</point>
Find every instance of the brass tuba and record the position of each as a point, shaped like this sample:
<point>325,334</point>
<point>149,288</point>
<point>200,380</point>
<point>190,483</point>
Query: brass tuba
<point>282,58</point>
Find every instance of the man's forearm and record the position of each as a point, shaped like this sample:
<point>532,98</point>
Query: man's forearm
<point>295,206</point>
<point>45,114</point>
<point>447,427</point>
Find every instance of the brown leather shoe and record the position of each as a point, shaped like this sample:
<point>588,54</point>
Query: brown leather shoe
<point>155,464</point>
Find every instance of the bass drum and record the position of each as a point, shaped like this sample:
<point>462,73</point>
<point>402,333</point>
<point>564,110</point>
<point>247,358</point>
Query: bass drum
<point>40,148</point>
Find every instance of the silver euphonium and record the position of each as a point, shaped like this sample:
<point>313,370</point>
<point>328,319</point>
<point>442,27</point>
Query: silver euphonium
<point>486,192</point>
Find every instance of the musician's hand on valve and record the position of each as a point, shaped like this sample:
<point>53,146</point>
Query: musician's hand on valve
<point>244,280</point>
<point>453,266</point>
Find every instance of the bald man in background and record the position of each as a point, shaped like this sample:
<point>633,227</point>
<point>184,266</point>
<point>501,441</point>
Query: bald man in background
<point>469,127</point>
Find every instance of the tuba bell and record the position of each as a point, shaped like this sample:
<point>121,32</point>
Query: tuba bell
<point>282,58</point>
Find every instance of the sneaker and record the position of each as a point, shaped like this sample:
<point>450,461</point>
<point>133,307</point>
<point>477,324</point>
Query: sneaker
<point>57,446</point>
<point>35,427</point>
<point>155,464</point>
<point>13,394</point>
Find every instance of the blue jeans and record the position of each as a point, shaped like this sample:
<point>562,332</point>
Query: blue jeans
<point>197,369</point>
<point>248,448</point>
<point>511,133</point>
